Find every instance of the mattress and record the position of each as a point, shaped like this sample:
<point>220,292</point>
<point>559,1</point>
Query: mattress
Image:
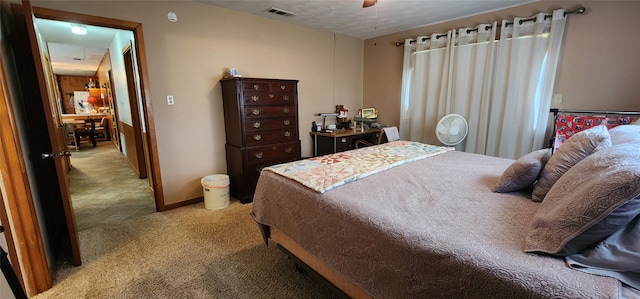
<point>431,228</point>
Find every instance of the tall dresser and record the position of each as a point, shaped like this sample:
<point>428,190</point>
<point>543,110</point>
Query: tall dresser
<point>261,124</point>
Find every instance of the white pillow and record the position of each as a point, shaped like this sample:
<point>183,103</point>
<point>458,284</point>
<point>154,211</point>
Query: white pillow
<point>624,133</point>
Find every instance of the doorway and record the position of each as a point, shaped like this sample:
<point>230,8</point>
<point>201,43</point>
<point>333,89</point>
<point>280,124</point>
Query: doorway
<point>102,191</point>
<point>35,246</point>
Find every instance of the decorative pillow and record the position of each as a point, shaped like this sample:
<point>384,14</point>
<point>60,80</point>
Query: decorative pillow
<point>605,227</point>
<point>576,148</point>
<point>585,195</point>
<point>637,122</point>
<point>624,133</point>
<point>618,256</point>
<point>523,172</point>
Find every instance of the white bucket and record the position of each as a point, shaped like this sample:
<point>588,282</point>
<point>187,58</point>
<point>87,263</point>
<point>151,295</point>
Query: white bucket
<point>216,191</point>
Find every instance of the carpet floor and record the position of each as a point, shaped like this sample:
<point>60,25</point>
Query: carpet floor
<point>189,252</point>
<point>105,189</point>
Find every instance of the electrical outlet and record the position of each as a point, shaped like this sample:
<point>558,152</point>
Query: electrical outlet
<point>170,101</point>
<point>557,98</point>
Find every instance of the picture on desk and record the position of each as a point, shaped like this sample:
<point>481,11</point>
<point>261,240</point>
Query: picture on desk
<point>369,113</point>
<point>81,102</point>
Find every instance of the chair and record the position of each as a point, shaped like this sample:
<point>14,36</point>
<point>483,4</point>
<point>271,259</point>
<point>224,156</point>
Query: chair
<point>86,132</point>
<point>70,136</point>
<point>101,128</point>
<point>389,134</point>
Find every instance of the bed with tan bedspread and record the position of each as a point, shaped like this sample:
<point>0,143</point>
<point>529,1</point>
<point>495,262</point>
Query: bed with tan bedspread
<point>431,228</point>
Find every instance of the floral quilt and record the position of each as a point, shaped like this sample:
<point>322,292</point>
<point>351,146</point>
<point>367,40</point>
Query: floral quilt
<point>324,173</point>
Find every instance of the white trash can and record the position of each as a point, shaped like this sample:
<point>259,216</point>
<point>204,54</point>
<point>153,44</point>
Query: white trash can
<point>216,191</point>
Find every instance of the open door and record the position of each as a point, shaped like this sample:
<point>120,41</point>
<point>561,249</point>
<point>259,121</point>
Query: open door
<point>34,186</point>
<point>55,129</point>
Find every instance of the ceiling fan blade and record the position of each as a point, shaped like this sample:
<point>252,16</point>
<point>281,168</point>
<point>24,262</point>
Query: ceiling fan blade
<point>368,3</point>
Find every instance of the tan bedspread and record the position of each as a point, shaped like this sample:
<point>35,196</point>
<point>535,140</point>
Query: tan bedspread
<point>426,229</point>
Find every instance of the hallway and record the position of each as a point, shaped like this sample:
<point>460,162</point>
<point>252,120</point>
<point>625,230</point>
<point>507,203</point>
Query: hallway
<point>105,189</point>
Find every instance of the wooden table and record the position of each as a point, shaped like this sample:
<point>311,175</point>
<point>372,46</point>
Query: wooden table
<point>325,143</point>
<point>91,116</point>
<point>89,120</point>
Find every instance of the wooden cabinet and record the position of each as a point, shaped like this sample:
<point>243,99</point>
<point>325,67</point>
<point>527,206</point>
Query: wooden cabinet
<point>261,126</point>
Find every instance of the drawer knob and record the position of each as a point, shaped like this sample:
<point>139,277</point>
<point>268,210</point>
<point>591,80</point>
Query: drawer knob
<point>256,124</point>
<point>271,96</point>
<point>286,98</point>
<point>256,111</point>
<point>285,110</point>
<point>287,122</point>
<point>257,137</point>
<point>259,155</point>
<point>283,87</point>
<point>288,150</point>
<point>287,133</point>
<point>255,98</point>
<point>256,86</point>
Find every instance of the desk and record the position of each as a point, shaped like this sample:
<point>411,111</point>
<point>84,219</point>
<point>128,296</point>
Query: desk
<point>90,119</point>
<point>325,143</point>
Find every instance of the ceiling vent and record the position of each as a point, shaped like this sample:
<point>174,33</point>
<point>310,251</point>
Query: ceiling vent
<point>280,12</point>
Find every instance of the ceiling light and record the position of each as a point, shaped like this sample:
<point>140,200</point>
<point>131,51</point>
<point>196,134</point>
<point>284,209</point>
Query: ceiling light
<point>80,30</point>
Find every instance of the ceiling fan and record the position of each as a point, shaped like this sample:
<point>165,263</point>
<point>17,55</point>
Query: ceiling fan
<point>368,3</point>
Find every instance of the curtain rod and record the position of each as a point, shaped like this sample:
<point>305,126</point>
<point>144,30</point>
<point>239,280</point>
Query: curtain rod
<point>580,10</point>
<point>555,112</point>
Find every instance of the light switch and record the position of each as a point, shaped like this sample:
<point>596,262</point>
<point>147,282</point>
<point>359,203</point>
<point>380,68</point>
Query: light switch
<point>170,101</point>
<point>557,98</point>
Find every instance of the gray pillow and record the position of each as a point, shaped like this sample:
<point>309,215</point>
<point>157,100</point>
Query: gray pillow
<point>624,133</point>
<point>604,228</point>
<point>618,256</point>
<point>586,194</point>
<point>576,148</point>
<point>523,172</point>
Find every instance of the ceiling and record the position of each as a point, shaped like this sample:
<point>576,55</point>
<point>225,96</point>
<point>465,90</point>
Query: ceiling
<point>72,54</point>
<point>80,55</point>
<point>348,17</point>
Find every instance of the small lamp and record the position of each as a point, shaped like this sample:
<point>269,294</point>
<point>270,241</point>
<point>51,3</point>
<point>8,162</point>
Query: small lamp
<point>92,100</point>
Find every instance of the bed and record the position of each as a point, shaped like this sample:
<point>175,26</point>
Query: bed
<point>428,227</point>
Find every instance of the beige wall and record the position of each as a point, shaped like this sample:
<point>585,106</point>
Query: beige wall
<point>598,68</point>
<point>187,58</point>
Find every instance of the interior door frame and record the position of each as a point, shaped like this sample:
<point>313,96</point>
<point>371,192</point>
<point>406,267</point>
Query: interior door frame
<point>136,28</point>
<point>134,108</point>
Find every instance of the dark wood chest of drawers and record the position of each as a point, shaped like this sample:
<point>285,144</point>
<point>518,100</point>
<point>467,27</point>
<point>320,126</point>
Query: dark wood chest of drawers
<point>261,125</point>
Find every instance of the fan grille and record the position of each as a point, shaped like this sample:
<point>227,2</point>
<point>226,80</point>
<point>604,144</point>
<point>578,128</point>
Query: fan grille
<point>451,129</point>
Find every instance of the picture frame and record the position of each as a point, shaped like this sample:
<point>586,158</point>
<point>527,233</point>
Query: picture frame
<point>369,113</point>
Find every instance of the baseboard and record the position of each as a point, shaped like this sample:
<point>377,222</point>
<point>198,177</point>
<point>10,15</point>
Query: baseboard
<point>184,203</point>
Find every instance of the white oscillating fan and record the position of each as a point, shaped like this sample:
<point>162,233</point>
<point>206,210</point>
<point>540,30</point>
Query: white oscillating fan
<point>452,129</point>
